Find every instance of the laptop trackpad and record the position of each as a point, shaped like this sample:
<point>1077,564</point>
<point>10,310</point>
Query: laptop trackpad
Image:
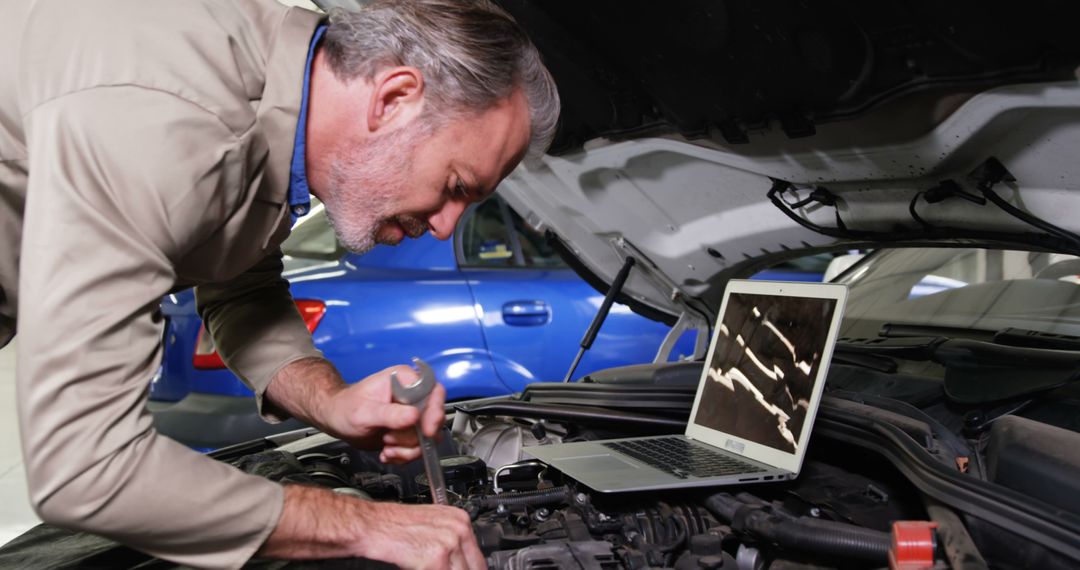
<point>595,463</point>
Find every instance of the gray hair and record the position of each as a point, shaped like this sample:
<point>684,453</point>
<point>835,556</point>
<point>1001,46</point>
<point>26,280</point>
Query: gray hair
<point>471,53</point>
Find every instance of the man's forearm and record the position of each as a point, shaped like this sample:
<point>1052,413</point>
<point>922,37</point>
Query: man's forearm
<point>317,523</point>
<point>303,389</point>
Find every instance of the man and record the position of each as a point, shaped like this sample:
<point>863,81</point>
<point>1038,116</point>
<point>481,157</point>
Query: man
<point>151,145</point>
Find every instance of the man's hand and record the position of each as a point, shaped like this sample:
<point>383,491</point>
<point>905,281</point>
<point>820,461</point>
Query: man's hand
<point>318,523</point>
<point>421,536</point>
<point>362,414</point>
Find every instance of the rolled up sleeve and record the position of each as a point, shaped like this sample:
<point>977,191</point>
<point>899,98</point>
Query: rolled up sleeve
<point>256,327</point>
<point>109,169</point>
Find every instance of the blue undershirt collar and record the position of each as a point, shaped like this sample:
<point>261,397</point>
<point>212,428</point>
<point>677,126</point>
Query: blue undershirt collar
<point>299,192</point>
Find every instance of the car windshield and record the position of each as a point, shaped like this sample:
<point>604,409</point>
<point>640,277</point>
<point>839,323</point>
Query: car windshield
<point>313,237</point>
<point>979,289</point>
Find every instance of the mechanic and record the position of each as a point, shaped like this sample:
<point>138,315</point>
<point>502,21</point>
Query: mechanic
<point>150,145</point>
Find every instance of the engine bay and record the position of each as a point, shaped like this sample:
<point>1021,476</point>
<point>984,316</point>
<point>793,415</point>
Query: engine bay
<point>855,504</point>
<point>896,475</point>
<point>527,516</point>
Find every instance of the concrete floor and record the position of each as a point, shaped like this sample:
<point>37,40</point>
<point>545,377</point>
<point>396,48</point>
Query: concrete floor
<point>16,516</point>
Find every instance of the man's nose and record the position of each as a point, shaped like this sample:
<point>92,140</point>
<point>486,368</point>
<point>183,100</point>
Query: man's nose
<point>442,223</point>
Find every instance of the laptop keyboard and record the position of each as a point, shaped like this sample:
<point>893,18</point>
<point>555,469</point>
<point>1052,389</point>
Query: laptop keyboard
<point>681,458</point>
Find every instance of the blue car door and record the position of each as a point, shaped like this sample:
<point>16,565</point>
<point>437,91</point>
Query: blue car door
<point>535,310</point>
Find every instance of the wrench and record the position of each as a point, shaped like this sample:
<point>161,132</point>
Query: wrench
<point>416,395</point>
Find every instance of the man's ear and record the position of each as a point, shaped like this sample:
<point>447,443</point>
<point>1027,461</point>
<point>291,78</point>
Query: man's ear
<point>397,96</point>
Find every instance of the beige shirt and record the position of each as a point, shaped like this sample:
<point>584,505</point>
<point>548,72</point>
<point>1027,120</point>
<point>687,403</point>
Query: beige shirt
<point>144,147</point>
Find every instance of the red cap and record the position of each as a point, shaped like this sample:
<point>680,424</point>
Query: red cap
<point>913,544</point>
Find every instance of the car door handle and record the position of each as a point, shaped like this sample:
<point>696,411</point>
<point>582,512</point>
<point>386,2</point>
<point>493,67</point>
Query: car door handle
<point>526,313</point>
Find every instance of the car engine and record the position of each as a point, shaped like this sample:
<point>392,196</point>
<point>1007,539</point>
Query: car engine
<point>527,516</point>
<point>896,480</point>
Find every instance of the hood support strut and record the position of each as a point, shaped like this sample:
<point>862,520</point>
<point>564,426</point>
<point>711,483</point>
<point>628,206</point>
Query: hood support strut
<point>601,315</point>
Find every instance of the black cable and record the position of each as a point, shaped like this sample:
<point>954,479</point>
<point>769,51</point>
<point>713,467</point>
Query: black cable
<point>802,533</point>
<point>992,172</point>
<point>914,214</point>
<point>1056,239</point>
<point>1026,217</point>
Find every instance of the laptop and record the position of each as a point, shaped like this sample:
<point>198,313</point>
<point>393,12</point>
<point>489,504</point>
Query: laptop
<point>755,404</point>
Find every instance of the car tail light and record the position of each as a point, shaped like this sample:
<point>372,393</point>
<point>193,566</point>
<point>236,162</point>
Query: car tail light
<point>207,358</point>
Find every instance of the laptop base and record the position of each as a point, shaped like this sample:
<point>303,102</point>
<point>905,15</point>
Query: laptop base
<point>604,470</point>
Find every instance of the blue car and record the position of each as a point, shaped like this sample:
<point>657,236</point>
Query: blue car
<point>492,310</point>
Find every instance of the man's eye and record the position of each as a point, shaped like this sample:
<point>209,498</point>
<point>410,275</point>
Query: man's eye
<point>461,191</point>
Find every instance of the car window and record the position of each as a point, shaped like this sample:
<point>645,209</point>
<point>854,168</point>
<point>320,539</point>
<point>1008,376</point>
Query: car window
<point>793,270</point>
<point>312,237</point>
<point>534,249</point>
<point>811,263</point>
<point>486,241</point>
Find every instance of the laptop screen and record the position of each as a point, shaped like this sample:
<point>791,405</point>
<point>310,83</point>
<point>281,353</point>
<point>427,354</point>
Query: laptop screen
<point>764,369</point>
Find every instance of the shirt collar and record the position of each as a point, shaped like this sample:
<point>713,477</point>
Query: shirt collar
<point>299,192</point>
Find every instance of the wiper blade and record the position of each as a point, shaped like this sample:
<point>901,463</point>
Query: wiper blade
<point>904,347</point>
<point>1007,337</point>
<point>980,372</point>
<point>1012,363</point>
<point>1037,339</point>
<point>880,354</point>
<point>874,362</point>
<point>901,330</point>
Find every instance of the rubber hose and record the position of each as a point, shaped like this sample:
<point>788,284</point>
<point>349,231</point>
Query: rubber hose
<point>830,537</point>
<point>529,498</point>
<point>723,505</point>
<point>804,533</point>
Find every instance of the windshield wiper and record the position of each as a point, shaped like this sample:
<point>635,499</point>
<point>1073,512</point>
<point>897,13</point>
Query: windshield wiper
<point>1036,339</point>
<point>904,347</point>
<point>1014,363</point>
<point>901,330</point>
<point>880,354</point>
<point>979,372</point>
<point>1007,337</point>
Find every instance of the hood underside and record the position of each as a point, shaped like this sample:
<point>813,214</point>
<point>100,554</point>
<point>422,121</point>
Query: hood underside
<point>695,215</point>
<point>719,69</point>
<point>711,139</point>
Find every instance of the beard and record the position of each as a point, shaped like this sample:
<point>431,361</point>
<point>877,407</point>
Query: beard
<point>366,181</point>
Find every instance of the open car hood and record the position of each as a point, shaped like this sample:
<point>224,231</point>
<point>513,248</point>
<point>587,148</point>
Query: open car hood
<point>715,139</point>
